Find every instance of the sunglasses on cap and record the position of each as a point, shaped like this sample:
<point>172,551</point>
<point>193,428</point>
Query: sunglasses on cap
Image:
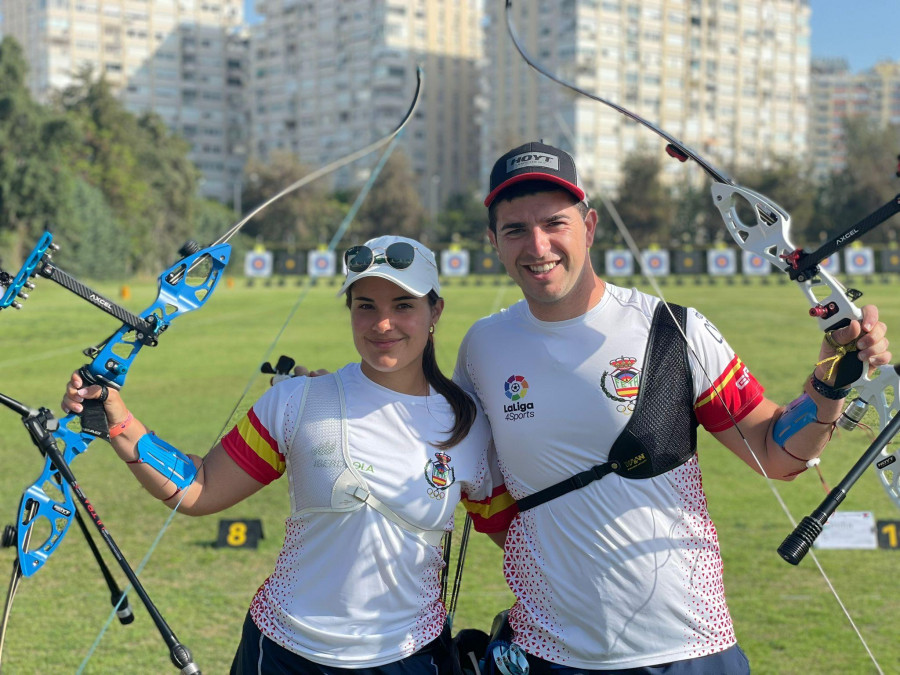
<point>398,255</point>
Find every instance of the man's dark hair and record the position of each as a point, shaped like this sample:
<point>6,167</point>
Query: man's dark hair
<point>525,189</point>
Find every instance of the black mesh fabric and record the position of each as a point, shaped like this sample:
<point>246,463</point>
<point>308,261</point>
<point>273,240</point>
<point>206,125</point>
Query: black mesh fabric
<point>662,432</point>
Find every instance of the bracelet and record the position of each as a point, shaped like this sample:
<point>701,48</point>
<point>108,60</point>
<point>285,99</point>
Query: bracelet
<point>827,390</point>
<point>177,490</point>
<point>806,462</point>
<point>811,462</point>
<point>117,429</point>
<point>792,455</point>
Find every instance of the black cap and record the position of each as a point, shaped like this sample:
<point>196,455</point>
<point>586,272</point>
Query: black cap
<point>535,161</point>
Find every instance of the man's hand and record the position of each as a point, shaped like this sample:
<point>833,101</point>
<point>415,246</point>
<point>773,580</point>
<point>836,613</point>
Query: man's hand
<point>303,370</point>
<point>871,344</point>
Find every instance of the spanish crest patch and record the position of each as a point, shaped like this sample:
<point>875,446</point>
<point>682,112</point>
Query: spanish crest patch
<point>625,380</point>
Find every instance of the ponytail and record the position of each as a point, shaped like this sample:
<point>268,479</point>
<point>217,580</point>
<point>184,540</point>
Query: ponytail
<point>459,400</point>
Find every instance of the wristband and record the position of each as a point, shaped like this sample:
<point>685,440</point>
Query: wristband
<point>117,429</point>
<point>828,391</point>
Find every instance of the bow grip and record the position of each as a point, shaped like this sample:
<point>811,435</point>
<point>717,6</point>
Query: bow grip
<point>848,371</point>
<point>839,311</point>
<point>93,415</point>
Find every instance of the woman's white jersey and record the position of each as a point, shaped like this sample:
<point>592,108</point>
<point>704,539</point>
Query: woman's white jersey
<point>352,587</point>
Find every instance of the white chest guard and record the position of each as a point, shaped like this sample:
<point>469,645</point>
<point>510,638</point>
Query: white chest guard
<point>318,465</point>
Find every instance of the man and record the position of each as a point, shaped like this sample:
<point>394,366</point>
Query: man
<point>622,573</point>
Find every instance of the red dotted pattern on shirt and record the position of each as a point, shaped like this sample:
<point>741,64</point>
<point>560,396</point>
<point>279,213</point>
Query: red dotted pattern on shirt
<point>431,618</point>
<point>706,612</point>
<point>274,588</point>
<point>522,566</point>
<point>428,624</point>
<point>708,628</point>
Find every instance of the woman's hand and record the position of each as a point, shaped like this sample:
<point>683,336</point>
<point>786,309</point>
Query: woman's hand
<point>77,393</point>
<point>303,370</point>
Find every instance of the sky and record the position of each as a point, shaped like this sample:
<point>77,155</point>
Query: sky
<point>249,15</point>
<point>861,31</point>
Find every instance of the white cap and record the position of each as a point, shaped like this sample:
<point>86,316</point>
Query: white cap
<point>417,279</point>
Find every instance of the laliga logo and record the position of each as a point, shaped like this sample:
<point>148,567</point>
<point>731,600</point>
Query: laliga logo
<point>516,387</point>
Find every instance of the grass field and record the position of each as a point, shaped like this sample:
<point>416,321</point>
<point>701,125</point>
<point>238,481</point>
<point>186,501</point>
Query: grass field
<point>187,389</point>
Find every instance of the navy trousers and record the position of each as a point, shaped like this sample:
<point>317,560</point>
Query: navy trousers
<point>258,655</point>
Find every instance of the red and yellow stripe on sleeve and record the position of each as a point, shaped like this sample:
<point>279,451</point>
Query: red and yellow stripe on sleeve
<point>739,391</point>
<point>493,514</point>
<point>253,448</point>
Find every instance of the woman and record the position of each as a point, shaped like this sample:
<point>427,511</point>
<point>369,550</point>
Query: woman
<point>377,455</point>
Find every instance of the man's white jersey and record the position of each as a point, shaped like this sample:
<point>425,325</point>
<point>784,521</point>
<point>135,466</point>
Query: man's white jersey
<point>621,573</point>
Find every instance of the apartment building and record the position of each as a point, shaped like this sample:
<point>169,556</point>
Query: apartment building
<point>183,59</point>
<point>728,78</point>
<point>327,77</point>
<point>838,94</point>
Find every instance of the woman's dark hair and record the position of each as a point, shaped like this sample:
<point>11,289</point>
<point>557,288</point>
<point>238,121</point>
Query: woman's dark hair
<point>462,404</point>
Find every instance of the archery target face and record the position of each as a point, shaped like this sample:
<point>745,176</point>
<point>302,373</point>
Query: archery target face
<point>321,263</point>
<point>859,261</point>
<point>656,263</point>
<point>619,263</point>
<point>455,263</point>
<point>258,264</point>
<point>754,264</point>
<point>721,262</point>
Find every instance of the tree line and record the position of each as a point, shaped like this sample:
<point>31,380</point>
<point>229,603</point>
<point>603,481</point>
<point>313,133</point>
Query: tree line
<point>684,215</point>
<point>120,194</point>
<point>117,190</point>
